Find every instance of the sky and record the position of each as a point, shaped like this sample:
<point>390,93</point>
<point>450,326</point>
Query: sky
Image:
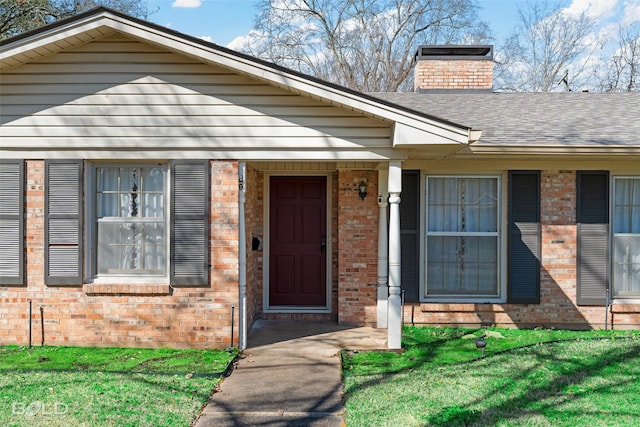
<point>222,21</point>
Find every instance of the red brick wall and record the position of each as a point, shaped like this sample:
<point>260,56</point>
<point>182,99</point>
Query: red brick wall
<point>254,209</point>
<point>558,307</point>
<point>358,248</point>
<point>128,315</point>
<point>453,74</point>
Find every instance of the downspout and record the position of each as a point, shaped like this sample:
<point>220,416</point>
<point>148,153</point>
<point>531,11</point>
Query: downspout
<point>242,255</point>
<point>383,250</point>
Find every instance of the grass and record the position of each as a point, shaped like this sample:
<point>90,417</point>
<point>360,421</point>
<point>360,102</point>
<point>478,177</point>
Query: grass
<point>572,379</point>
<point>73,386</point>
<point>161,360</point>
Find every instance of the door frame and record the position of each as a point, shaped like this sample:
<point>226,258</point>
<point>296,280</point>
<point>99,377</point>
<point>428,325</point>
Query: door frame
<point>266,307</point>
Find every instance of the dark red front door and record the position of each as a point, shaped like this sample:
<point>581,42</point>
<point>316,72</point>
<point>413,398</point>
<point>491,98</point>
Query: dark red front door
<point>297,235</point>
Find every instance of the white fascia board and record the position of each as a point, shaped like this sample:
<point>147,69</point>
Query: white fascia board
<point>377,155</point>
<point>411,137</point>
<point>439,131</point>
<point>554,150</point>
<point>50,38</point>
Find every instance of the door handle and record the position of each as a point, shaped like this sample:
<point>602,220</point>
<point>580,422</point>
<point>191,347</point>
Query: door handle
<point>323,244</point>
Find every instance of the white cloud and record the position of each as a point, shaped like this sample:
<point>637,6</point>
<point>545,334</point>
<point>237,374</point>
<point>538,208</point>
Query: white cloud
<point>206,38</point>
<point>187,3</point>
<point>241,42</point>
<point>596,9</point>
<point>631,13</point>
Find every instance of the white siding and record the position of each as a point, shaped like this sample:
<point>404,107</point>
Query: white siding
<point>116,93</point>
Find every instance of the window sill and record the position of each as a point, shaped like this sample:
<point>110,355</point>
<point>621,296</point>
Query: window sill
<point>625,308</point>
<point>126,289</point>
<point>467,306</point>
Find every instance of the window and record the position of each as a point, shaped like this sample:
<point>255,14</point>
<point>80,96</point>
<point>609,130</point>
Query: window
<point>626,237</point>
<point>130,220</point>
<point>462,237</point>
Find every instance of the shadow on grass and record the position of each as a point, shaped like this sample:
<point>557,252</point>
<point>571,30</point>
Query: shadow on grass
<point>571,373</point>
<point>528,393</point>
<point>419,352</point>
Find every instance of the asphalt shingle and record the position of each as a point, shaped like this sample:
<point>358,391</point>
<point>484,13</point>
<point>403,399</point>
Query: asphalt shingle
<point>559,119</point>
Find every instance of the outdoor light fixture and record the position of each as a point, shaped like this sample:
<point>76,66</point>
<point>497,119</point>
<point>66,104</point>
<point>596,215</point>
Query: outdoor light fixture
<point>362,190</point>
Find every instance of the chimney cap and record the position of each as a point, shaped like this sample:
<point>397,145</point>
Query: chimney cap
<point>450,51</point>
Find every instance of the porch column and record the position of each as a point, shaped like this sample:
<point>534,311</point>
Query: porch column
<point>383,249</point>
<point>394,330</point>
<point>242,255</point>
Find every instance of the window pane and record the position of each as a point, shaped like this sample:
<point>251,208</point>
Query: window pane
<point>129,205</point>
<point>129,179</point>
<point>436,191</point>
<point>626,266</point>
<point>108,179</point>
<point>458,265</point>
<point>153,179</point>
<point>107,205</point>
<point>462,204</point>
<point>627,205</point>
<point>153,205</point>
<point>108,247</point>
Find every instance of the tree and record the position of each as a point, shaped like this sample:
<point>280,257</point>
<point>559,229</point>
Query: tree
<point>622,72</point>
<point>18,16</point>
<point>367,45</point>
<point>547,42</point>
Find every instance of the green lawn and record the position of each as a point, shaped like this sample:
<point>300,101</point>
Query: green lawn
<point>73,386</point>
<point>575,379</point>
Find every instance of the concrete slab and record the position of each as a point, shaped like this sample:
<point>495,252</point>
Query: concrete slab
<point>281,384</point>
<point>270,420</point>
<point>288,376</point>
<point>327,338</point>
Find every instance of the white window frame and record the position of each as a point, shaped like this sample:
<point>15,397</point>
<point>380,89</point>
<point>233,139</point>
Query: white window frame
<point>91,229</point>
<point>501,243</point>
<point>634,299</point>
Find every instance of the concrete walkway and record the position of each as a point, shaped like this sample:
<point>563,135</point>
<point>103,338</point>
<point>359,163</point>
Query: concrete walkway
<point>288,376</point>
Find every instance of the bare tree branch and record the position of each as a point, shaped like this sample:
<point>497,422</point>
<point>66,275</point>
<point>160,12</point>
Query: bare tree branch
<point>367,45</point>
<point>18,16</point>
<point>622,72</point>
<point>546,43</point>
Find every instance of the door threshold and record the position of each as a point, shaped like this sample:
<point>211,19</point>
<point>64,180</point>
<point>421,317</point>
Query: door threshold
<point>295,309</point>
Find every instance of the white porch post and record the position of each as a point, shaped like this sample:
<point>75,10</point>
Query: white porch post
<point>383,249</point>
<point>242,255</point>
<point>394,331</point>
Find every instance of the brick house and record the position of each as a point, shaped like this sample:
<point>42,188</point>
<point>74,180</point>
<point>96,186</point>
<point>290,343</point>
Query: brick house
<point>159,190</point>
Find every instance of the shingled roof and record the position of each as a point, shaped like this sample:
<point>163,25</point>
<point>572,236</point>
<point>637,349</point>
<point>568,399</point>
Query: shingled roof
<point>536,119</point>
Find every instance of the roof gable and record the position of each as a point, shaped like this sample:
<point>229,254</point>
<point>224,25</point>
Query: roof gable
<point>412,126</point>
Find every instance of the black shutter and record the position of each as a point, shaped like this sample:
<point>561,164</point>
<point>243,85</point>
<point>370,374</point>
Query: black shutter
<point>592,216</point>
<point>409,235</point>
<point>11,222</point>
<point>63,222</point>
<point>524,238</point>
<point>190,223</point>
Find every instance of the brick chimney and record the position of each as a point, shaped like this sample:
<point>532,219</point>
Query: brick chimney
<point>456,67</point>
